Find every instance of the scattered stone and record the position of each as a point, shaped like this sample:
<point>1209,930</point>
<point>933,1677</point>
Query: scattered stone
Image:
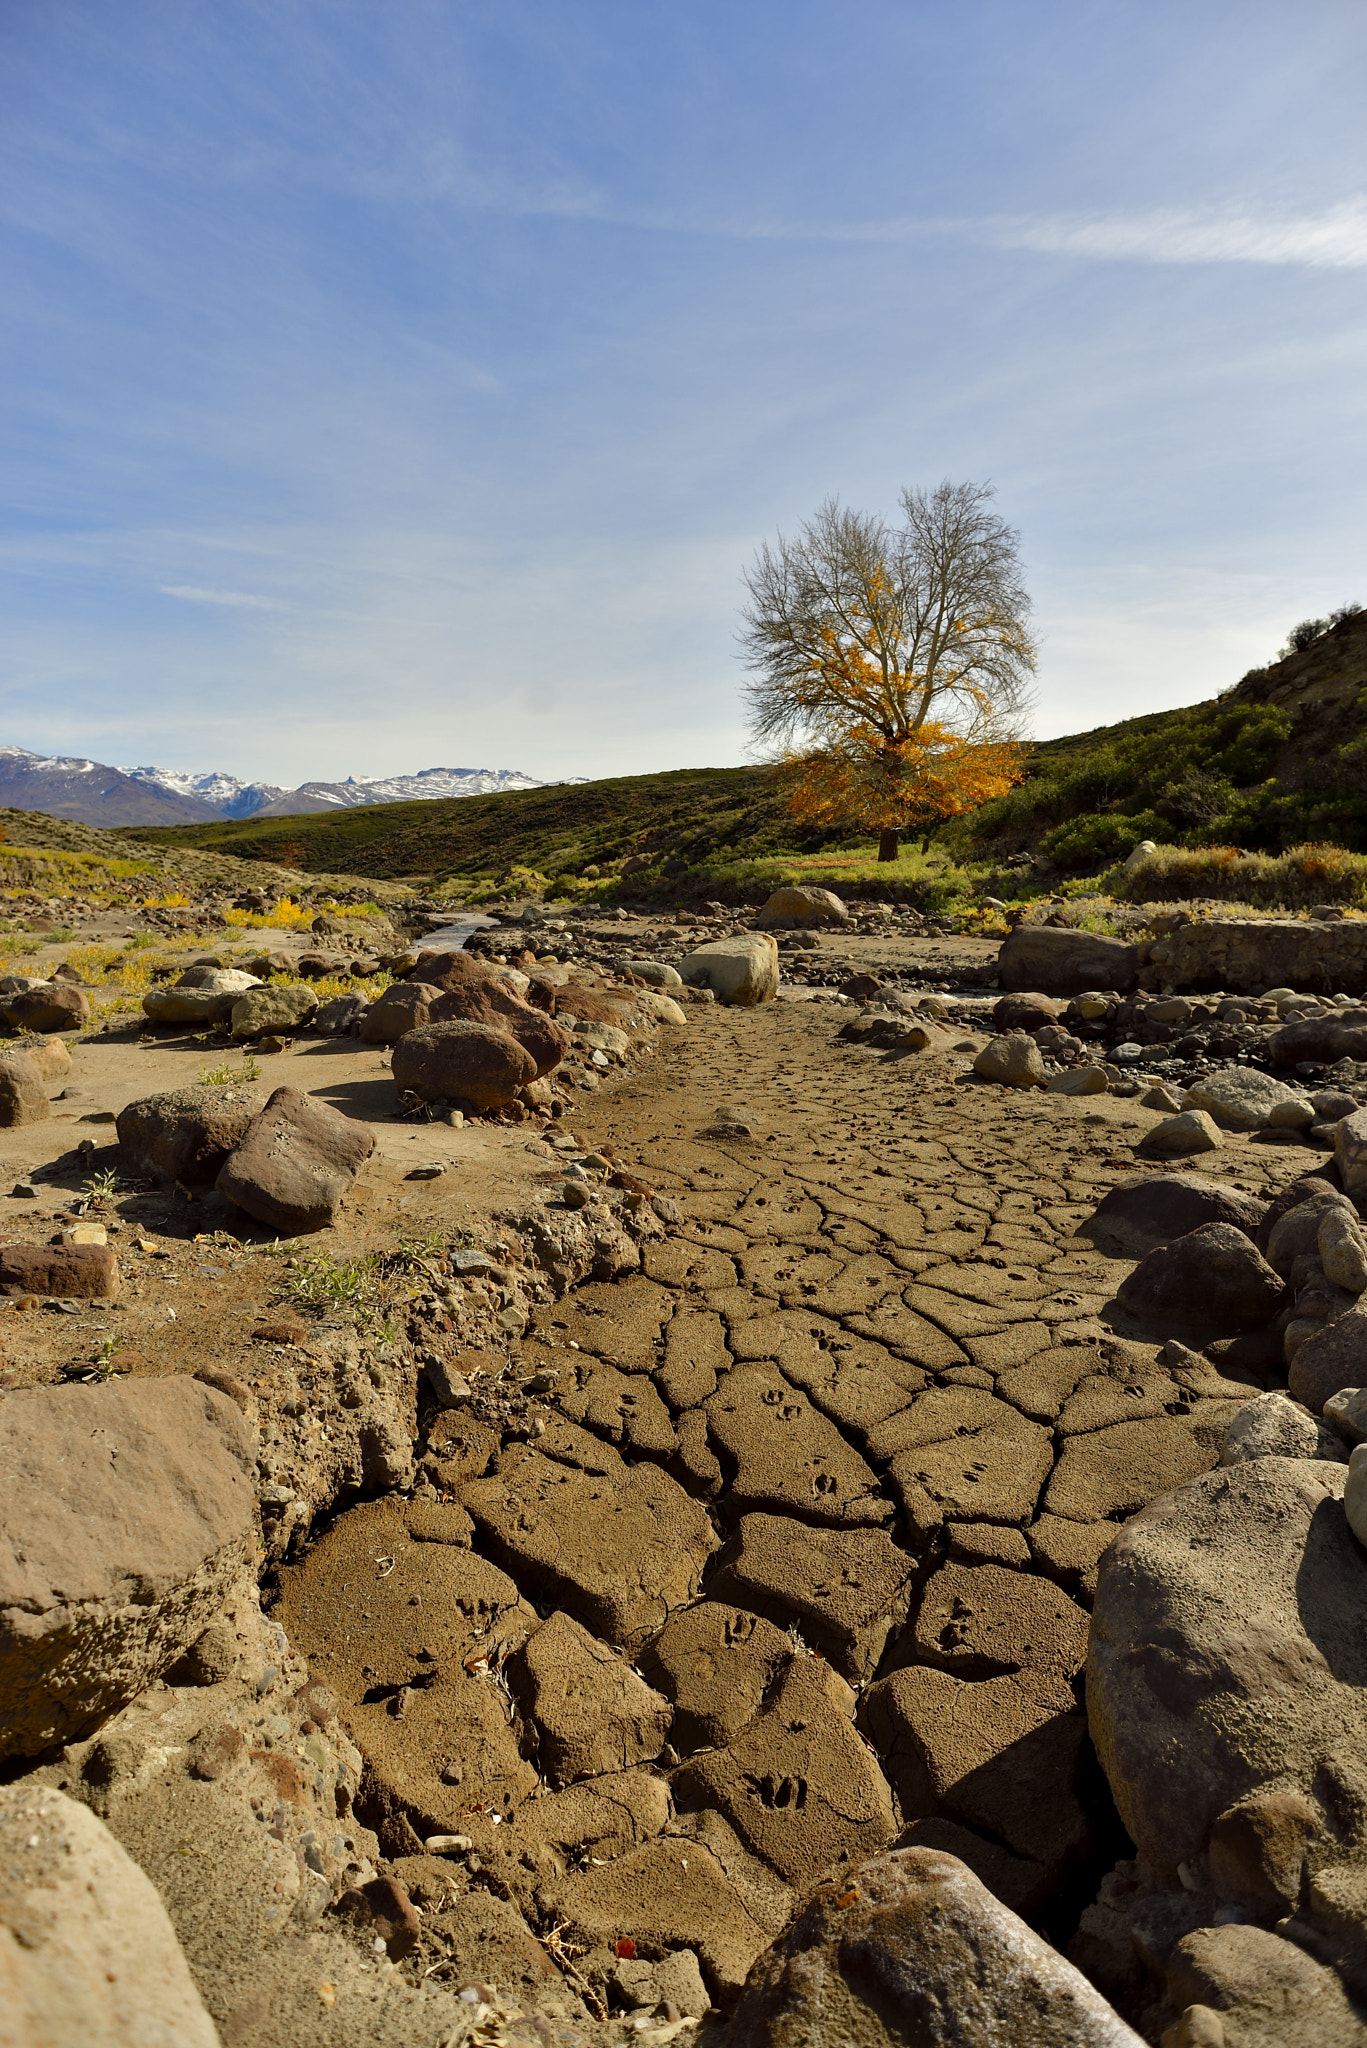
<point>1211,1276</point>
<point>1014,1060</point>
<point>52,1007</point>
<point>295,1163</point>
<point>592,1712</point>
<point>1342,1251</point>
<point>1029,1011</point>
<point>89,1951</point>
<point>912,1947</point>
<point>187,1134</point>
<point>1079,1081</point>
<point>1296,1232</point>
<point>657,972</point>
<point>1331,1358</point>
<point>1350,1152</point>
<point>1270,1426</point>
<point>51,1057</point>
<point>741,970</point>
<point>1160,1096</point>
<point>126,1512</point>
<point>340,1016</point>
<point>1178,1137</point>
<point>1226,1652</point>
<point>466,1063</point>
<point>1346,1414</point>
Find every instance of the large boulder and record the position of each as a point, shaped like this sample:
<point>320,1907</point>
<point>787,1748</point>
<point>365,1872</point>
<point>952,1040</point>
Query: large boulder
<point>64,1272</point>
<point>1319,1041</point>
<point>1242,1098</point>
<point>1183,1136</point>
<point>1154,1208</point>
<point>1214,1276</point>
<point>23,1091</point>
<point>1030,1010</point>
<point>187,1134</point>
<point>1014,1060</point>
<point>126,1512</point>
<point>403,1006</point>
<point>1335,1357</point>
<point>740,970</point>
<point>50,1055</point>
<point>1060,962</point>
<point>451,969</point>
<point>798,906</point>
<point>1350,1153</point>
<point>87,1950</point>
<point>471,1063</point>
<point>203,995</point>
<point>55,1006</point>
<point>1294,1193</point>
<point>493,1002</point>
<point>911,1948</point>
<point>1228,1659</point>
<point>279,1007</point>
<point>295,1163</point>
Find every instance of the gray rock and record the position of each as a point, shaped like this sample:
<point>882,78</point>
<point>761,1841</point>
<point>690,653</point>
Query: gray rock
<point>1355,1493</point>
<point>126,1512</point>
<point>1227,1654</point>
<point>1333,1358</point>
<point>741,970</point>
<point>1014,1060</point>
<point>911,1948</point>
<point>1296,1232</point>
<point>87,1950</point>
<point>794,905</point>
<point>656,972</point>
<point>1270,1426</point>
<point>1291,1197</point>
<point>1212,1277</point>
<point>1181,1137</point>
<point>1243,1098</point>
<point>340,1016</point>
<point>1350,1151</point>
<point>1346,1414</point>
<point>1342,1251</point>
<point>279,1007</point>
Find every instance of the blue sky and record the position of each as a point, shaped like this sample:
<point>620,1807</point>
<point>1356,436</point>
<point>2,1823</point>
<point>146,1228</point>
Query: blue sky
<point>394,382</point>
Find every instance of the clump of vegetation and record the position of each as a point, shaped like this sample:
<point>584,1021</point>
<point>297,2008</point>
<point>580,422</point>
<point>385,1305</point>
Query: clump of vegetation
<point>1298,879</point>
<point>247,1069</point>
<point>287,916</point>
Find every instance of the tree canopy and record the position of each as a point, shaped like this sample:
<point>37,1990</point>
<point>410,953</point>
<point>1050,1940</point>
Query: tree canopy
<point>891,663</point>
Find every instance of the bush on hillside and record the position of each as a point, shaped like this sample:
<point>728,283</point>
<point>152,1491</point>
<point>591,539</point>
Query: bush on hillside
<point>1298,879</point>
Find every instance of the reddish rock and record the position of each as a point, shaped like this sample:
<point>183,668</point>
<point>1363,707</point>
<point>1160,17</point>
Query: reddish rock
<point>54,1008</point>
<point>403,1006</point>
<point>494,1003</point>
<point>295,1163</point>
<point>70,1272</point>
<point>187,1134</point>
<point>471,1063</point>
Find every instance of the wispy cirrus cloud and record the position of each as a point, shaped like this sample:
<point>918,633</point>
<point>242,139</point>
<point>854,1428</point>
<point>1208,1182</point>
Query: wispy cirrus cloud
<point>235,600</point>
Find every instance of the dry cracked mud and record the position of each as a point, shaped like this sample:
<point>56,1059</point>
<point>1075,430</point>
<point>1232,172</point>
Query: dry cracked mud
<point>789,1550</point>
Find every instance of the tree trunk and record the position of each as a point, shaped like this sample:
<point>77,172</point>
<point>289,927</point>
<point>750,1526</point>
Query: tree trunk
<point>888,843</point>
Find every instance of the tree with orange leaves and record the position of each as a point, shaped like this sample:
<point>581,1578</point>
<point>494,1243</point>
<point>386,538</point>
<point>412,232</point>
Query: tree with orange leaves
<point>891,664</point>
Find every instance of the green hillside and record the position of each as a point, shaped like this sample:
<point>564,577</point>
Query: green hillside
<point>1279,760</point>
<point>676,829</point>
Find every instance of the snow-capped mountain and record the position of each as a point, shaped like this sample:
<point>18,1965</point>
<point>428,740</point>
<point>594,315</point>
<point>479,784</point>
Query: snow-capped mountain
<point>428,783</point>
<point>224,794</point>
<point>69,786</point>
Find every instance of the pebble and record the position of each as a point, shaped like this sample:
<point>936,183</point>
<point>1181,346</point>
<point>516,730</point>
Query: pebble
<point>23,1191</point>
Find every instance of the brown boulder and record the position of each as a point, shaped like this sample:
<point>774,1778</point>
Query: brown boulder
<point>1212,1277</point>
<point>494,1003</point>
<point>1334,1358</point>
<point>23,1092</point>
<point>1065,963</point>
<point>403,1006</point>
<point>1029,1011</point>
<point>295,1162</point>
<point>187,1134</point>
<point>57,1007</point>
<point>126,1511</point>
<point>450,970</point>
<point>1154,1208</point>
<point>462,1063</point>
<point>64,1272</point>
<point>912,1948</point>
<point>1319,1041</point>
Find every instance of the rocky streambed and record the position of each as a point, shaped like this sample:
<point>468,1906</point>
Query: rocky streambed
<point>846,1552</point>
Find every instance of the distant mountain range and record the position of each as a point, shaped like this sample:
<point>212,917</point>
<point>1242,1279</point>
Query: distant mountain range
<point>66,786</point>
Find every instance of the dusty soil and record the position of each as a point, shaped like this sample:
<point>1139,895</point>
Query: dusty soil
<point>739,1566</point>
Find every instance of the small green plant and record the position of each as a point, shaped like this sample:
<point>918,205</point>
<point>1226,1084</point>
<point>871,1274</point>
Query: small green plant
<point>103,1186</point>
<point>99,1367</point>
<point>249,1069</point>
